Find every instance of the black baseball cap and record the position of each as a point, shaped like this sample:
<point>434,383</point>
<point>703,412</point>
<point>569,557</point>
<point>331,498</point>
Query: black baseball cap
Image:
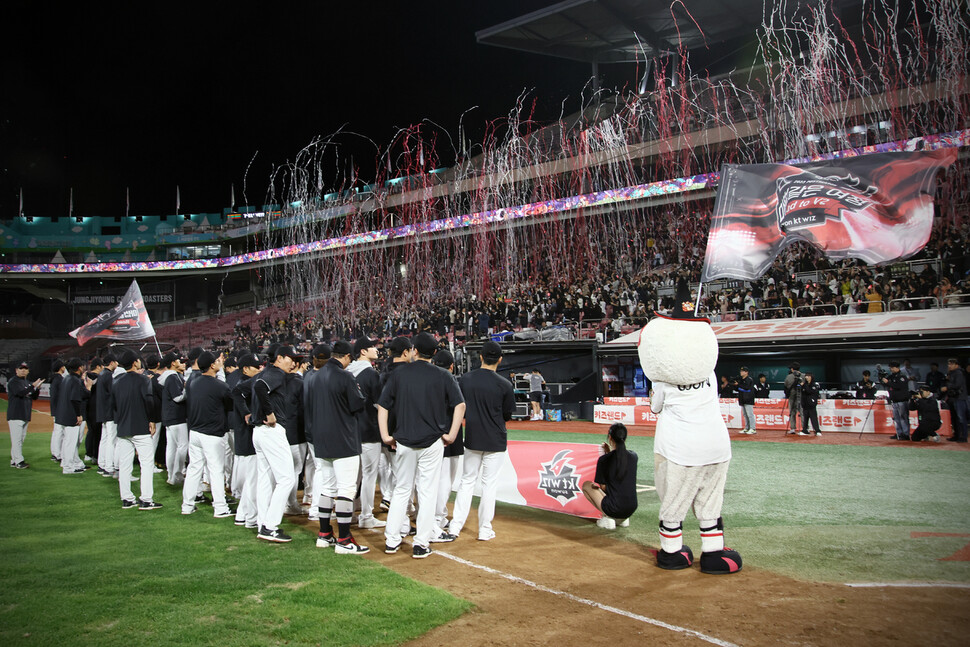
<point>399,345</point>
<point>362,344</point>
<point>194,354</point>
<point>894,364</point>
<point>151,361</point>
<point>248,359</point>
<point>128,358</point>
<point>425,343</point>
<point>443,358</point>
<point>23,365</point>
<point>169,358</point>
<point>205,360</point>
<point>321,351</point>
<point>342,347</point>
<point>491,351</point>
<point>289,351</point>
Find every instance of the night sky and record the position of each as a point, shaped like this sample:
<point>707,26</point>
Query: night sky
<point>152,95</point>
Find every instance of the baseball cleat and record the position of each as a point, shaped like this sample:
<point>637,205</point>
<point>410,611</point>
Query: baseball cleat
<point>223,515</point>
<point>239,522</point>
<point>683,558</point>
<point>390,550</point>
<point>486,535</point>
<point>385,505</point>
<point>149,505</point>
<point>22,465</point>
<point>420,552</point>
<point>349,546</point>
<point>368,524</point>
<point>277,536</point>
<point>129,504</point>
<point>326,540</point>
<point>443,538</point>
<point>721,562</point>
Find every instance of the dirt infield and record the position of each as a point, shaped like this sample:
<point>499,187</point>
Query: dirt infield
<point>538,584</point>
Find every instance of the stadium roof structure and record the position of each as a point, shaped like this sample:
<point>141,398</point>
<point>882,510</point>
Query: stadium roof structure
<point>626,31</point>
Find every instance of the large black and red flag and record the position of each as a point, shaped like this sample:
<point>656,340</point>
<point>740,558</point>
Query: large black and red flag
<point>877,208</point>
<point>126,321</point>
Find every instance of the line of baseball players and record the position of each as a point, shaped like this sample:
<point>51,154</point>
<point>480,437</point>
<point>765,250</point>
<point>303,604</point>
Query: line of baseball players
<point>253,429</point>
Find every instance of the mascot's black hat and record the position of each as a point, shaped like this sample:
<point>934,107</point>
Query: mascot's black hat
<point>683,306</point>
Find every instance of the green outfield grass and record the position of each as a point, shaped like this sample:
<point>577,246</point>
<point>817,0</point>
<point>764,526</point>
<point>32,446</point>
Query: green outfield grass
<point>79,570</point>
<point>832,513</point>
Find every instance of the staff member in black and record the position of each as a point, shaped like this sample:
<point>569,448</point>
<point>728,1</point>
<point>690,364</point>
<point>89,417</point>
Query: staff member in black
<point>333,401</point>
<point>420,395</point>
<point>245,462</point>
<point>928,413</point>
<point>761,388</point>
<point>107,465</point>
<point>92,439</point>
<point>489,401</point>
<point>956,396</point>
<point>898,385</point>
<point>613,489</point>
<point>209,401</point>
<point>274,462</point>
<point>67,407</point>
<point>20,394</point>
<point>810,396</point>
<point>866,389</point>
<point>132,397</point>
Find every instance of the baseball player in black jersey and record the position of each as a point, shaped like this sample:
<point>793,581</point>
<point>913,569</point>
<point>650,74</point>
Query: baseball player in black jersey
<point>173,416</point>
<point>105,412</point>
<point>490,401</point>
<point>132,396</point>
<point>332,400</point>
<point>369,382</point>
<point>420,395</point>
<point>66,408</point>
<point>20,393</point>
<point>274,462</point>
<point>249,366</point>
<point>209,402</point>
<point>57,437</point>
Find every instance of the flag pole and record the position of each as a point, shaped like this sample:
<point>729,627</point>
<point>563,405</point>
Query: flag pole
<point>697,301</point>
<point>157,347</point>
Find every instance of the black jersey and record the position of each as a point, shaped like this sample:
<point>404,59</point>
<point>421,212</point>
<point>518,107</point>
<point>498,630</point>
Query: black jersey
<point>242,395</point>
<point>420,394</point>
<point>132,395</point>
<point>332,400</point>
<point>269,396</point>
<point>20,393</point>
<point>66,405</point>
<point>621,489</point>
<point>209,401</point>
<point>490,401</point>
<point>173,398</point>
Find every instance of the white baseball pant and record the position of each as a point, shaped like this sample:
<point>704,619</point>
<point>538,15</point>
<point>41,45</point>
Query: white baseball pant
<point>106,449</point>
<point>446,483</point>
<point>68,449</point>
<point>414,469</point>
<point>245,469</point>
<point>205,451</point>
<point>490,464</point>
<point>274,474</point>
<point>57,440</point>
<point>370,458</point>
<point>18,431</point>
<point>127,448</point>
<point>176,451</point>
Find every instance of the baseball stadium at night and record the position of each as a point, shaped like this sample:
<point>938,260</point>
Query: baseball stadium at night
<point>322,326</point>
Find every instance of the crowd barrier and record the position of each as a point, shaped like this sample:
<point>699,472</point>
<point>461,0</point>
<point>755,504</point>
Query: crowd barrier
<point>853,416</point>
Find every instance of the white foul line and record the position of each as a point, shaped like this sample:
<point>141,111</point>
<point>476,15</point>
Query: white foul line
<point>591,603</point>
<point>913,585</point>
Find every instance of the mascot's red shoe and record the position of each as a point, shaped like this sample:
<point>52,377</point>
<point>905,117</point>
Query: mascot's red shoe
<point>683,558</point>
<point>720,562</point>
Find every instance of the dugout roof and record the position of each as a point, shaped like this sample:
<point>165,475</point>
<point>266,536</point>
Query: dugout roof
<point>626,31</point>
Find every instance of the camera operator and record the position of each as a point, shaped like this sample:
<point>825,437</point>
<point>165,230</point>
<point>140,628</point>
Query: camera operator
<point>866,389</point>
<point>928,410</point>
<point>793,391</point>
<point>899,392</point>
<point>745,388</point>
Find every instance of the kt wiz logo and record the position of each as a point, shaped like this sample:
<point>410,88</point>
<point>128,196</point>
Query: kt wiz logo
<point>808,200</point>
<point>558,478</point>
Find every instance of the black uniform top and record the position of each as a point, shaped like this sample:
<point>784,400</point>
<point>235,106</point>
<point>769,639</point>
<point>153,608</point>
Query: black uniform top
<point>898,387</point>
<point>866,390</point>
<point>67,404</point>
<point>209,400</point>
<point>457,448</point>
<point>173,398</point>
<point>761,390</point>
<point>91,407</point>
<point>621,490</point>
<point>20,392</point>
<point>490,401</point>
<point>956,384</point>
<point>420,393</point>
<point>928,410</point>
<point>232,379</point>
<point>55,386</point>
<point>333,400</point>
<point>105,406</point>
<point>156,413</point>
<point>369,383</point>
<point>385,376</point>
<point>810,394</point>
<point>242,395</point>
<point>745,390</point>
<point>269,397</point>
<point>296,430</point>
<point>132,395</point>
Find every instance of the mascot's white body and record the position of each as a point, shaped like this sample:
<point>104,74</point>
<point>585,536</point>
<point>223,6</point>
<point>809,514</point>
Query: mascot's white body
<point>692,448</point>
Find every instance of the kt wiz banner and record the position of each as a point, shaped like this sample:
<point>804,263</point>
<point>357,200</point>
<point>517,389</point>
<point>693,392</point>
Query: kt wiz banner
<point>877,208</point>
<point>549,476</point>
<point>126,321</point>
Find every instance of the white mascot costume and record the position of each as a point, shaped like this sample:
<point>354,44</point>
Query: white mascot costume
<point>692,448</point>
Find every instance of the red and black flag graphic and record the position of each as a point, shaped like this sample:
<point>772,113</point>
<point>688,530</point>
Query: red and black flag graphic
<point>126,321</point>
<point>877,208</point>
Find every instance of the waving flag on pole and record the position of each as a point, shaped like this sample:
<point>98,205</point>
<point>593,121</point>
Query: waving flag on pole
<point>877,208</point>
<point>126,321</point>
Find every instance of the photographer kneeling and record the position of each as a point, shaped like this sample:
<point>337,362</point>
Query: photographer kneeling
<point>928,410</point>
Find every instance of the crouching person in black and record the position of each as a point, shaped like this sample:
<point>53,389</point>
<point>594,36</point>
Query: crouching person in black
<point>928,410</point>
